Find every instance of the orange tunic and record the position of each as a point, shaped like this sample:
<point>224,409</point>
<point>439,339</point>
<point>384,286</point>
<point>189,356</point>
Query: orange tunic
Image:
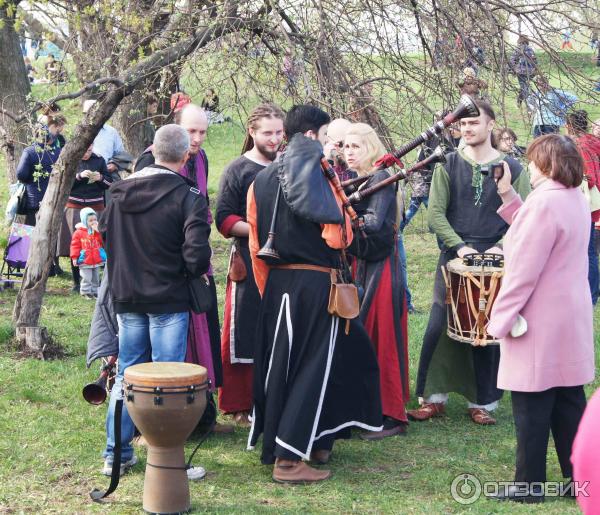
<point>331,233</point>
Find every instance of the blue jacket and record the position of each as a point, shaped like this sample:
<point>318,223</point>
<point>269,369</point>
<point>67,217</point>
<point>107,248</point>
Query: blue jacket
<point>550,108</point>
<point>523,61</point>
<point>36,158</point>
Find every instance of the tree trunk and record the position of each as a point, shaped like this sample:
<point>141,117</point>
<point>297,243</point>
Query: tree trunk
<point>28,303</point>
<point>33,338</point>
<point>14,88</point>
<point>131,116</point>
<point>129,121</point>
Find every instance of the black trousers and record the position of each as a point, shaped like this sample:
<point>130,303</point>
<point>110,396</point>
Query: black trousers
<point>536,414</point>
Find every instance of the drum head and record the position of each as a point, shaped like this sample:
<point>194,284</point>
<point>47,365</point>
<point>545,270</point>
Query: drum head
<point>165,373</point>
<point>457,266</point>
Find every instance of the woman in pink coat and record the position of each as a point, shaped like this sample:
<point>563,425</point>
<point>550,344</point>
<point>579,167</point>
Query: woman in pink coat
<point>543,313</point>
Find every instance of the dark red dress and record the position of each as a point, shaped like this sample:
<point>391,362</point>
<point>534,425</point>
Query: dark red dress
<point>383,304</point>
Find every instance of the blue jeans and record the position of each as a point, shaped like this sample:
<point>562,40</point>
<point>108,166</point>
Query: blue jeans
<point>142,337</point>
<point>593,272</point>
<point>403,270</point>
<point>415,203</point>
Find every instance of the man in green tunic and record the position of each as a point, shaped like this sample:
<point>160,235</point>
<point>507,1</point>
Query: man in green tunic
<point>462,213</point>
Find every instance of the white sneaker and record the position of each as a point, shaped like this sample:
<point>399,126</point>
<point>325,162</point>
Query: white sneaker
<point>196,473</point>
<point>108,464</point>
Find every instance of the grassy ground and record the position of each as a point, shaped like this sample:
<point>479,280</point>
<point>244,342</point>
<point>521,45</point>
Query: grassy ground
<point>51,440</point>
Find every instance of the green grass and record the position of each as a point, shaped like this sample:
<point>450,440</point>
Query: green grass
<point>51,440</point>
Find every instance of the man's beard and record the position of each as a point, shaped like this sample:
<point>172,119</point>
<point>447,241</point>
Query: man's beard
<point>268,154</point>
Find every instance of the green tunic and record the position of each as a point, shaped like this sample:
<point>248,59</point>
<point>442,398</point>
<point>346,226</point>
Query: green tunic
<point>462,211</point>
<point>451,227</point>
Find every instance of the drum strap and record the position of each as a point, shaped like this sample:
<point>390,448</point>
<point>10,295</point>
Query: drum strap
<point>98,495</point>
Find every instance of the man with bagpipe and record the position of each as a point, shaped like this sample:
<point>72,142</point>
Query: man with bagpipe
<point>315,372</point>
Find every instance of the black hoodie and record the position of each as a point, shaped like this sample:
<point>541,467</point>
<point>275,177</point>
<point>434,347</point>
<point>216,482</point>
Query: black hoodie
<point>154,230</point>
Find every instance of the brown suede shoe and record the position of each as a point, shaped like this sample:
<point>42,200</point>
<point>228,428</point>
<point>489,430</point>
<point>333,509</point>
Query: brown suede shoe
<point>297,472</point>
<point>426,411</point>
<point>481,416</point>
<point>400,429</point>
<point>320,457</point>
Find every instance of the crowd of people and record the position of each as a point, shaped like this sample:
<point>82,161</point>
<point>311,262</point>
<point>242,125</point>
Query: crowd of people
<point>293,362</point>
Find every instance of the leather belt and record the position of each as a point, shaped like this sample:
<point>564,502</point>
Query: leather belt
<point>300,266</point>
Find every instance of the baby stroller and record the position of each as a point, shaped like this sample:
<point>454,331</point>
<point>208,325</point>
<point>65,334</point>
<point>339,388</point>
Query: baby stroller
<point>15,255</point>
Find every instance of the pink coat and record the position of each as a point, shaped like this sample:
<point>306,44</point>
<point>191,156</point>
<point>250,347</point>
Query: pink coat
<point>545,281</point>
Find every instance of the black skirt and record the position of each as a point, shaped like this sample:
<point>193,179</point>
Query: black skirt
<point>311,380</point>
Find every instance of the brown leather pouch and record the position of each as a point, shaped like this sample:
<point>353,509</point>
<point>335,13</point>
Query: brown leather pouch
<point>343,299</point>
<point>237,267</point>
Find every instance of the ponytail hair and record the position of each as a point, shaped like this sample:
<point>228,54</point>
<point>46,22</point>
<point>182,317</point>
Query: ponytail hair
<point>266,110</point>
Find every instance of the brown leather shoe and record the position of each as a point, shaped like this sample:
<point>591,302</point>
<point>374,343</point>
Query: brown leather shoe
<point>400,429</point>
<point>481,416</point>
<point>320,457</point>
<point>297,472</point>
<point>426,411</point>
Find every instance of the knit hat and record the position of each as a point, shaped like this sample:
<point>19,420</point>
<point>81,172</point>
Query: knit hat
<point>85,213</point>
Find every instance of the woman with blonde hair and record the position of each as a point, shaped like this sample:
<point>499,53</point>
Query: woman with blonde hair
<point>377,273</point>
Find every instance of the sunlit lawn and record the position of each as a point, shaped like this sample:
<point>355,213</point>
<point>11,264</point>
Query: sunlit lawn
<point>51,440</point>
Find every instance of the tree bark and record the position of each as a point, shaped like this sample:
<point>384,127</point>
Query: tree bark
<point>129,121</point>
<point>29,300</point>
<point>14,88</point>
<point>28,303</point>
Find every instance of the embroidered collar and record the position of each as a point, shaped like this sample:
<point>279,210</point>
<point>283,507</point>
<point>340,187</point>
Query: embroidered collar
<point>477,177</point>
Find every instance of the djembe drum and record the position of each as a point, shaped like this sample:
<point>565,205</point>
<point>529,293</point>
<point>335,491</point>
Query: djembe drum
<point>472,285</point>
<point>165,401</point>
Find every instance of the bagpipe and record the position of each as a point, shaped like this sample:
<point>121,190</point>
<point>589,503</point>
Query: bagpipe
<point>358,194</point>
<point>465,109</point>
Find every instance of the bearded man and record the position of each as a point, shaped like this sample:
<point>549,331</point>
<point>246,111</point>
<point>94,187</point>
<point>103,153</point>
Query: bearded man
<point>242,299</point>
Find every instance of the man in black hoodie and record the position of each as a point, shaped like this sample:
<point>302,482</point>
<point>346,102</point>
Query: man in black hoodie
<point>155,234</point>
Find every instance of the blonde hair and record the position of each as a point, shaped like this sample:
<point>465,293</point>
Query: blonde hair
<point>373,145</point>
<point>375,150</point>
